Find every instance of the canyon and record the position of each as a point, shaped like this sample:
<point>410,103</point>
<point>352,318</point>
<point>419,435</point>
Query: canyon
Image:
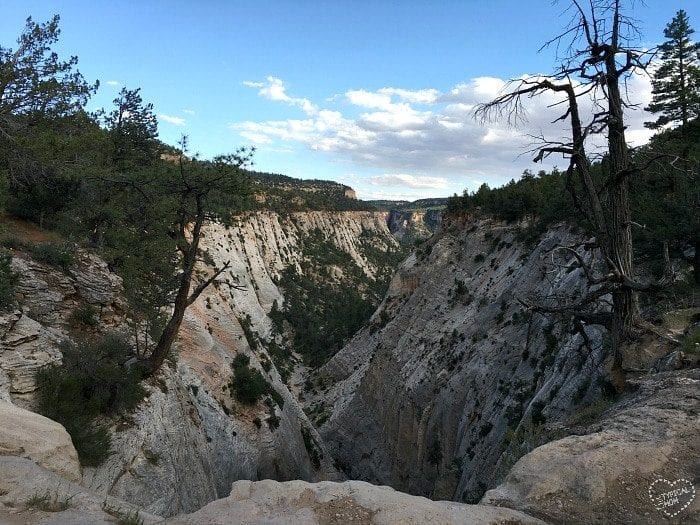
<point>452,390</point>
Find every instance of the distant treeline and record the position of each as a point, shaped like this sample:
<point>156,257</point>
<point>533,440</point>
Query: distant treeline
<point>664,190</point>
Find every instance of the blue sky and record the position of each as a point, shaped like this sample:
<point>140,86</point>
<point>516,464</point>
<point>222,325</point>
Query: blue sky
<point>375,94</point>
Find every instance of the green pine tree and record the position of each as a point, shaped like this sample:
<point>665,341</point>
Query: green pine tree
<point>676,83</point>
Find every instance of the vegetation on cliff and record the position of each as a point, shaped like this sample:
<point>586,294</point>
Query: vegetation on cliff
<point>333,298</point>
<point>609,194</point>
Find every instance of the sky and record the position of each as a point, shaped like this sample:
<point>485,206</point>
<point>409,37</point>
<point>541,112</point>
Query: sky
<point>375,94</point>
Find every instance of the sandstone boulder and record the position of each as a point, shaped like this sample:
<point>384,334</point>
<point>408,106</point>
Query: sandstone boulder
<point>30,494</point>
<point>610,474</point>
<point>298,502</point>
<point>29,435</point>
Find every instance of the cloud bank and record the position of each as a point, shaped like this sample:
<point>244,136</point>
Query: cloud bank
<point>175,121</point>
<point>425,139</point>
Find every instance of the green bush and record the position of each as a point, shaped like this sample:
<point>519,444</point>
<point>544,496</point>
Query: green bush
<point>84,315</point>
<point>54,254</point>
<point>8,280</point>
<point>536,413</point>
<point>691,343</point>
<point>311,448</point>
<point>248,384</point>
<point>91,383</point>
<point>434,455</point>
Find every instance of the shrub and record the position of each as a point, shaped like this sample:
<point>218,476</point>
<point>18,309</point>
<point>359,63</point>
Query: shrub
<point>8,280</point>
<point>273,422</point>
<point>248,384</point>
<point>536,413</point>
<point>485,429</point>
<point>691,343</point>
<point>310,444</point>
<point>92,382</point>
<point>581,392</point>
<point>48,502</point>
<point>435,453</point>
<point>240,360</point>
<point>54,254</point>
<point>85,315</point>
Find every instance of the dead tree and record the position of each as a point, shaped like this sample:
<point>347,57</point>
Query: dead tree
<point>598,60</point>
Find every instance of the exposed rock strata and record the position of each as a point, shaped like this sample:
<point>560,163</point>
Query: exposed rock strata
<point>414,224</point>
<point>604,475</point>
<point>189,440</point>
<point>29,435</point>
<point>427,395</point>
<point>325,503</point>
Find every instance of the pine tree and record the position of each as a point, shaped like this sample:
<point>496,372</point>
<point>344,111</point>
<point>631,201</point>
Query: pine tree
<point>676,83</point>
<point>134,129</point>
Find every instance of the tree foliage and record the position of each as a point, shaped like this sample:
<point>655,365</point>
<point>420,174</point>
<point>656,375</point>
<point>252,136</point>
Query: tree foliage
<point>133,129</point>
<point>92,382</point>
<point>34,82</point>
<point>676,83</point>
<point>103,179</point>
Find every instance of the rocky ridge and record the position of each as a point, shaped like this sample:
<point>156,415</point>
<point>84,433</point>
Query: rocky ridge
<point>439,395</point>
<point>452,380</point>
<point>189,440</point>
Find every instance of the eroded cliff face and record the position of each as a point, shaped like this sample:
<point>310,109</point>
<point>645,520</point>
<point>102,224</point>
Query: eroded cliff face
<point>436,395</point>
<point>446,387</point>
<point>408,225</point>
<point>190,439</point>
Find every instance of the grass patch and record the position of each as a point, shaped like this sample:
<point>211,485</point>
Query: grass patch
<point>48,502</point>
<point>124,517</point>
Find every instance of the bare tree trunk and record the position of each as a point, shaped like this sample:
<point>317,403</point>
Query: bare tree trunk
<point>696,261</point>
<point>619,224</point>
<point>182,299</point>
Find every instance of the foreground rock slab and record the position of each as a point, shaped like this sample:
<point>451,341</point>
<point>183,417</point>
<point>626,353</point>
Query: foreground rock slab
<point>646,447</point>
<point>299,502</point>
<point>29,435</point>
<point>30,494</point>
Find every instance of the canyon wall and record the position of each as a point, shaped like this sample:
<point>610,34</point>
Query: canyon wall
<point>190,439</point>
<point>435,395</point>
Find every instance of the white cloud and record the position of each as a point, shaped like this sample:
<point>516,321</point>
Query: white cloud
<point>410,181</point>
<point>408,133</point>
<point>175,121</point>
<point>273,89</point>
<point>113,83</point>
<point>189,111</point>
<point>420,96</point>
